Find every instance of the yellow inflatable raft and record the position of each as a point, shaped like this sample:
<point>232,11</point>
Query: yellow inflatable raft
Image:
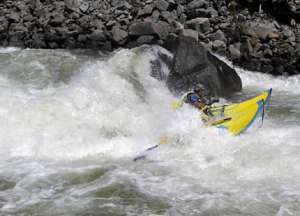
<point>237,117</point>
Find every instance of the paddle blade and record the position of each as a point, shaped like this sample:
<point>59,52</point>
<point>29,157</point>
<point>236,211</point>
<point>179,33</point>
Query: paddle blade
<point>176,104</point>
<point>163,140</point>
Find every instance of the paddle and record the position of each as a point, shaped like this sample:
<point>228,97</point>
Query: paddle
<point>163,140</point>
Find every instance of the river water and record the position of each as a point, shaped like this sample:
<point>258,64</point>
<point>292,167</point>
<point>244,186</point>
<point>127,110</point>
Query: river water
<point>71,122</point>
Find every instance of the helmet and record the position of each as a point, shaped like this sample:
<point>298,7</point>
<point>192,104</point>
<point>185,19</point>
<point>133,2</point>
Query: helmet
<point>199,88</point>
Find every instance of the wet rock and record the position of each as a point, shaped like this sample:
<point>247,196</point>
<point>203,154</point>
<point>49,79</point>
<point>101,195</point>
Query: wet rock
<point>193,64</point>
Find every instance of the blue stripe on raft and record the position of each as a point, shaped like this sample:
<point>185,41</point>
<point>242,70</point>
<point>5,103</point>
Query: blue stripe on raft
<point>260,108</point>
<point>267,102</point>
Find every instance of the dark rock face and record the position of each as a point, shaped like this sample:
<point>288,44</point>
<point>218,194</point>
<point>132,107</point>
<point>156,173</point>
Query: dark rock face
<point>245,31</point>
<point>193,64</point>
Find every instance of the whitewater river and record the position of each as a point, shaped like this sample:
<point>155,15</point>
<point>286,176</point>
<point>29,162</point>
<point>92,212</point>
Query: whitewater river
<point>70,124</point>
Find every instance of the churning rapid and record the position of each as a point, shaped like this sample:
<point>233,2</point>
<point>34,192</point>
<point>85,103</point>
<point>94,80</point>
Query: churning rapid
<point>72,122</point>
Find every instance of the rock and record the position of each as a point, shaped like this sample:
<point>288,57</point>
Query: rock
<point>145,39</point>
<point>147,10</point>
<point>196,4</point>
<point>200,24</point>
<point>3,25</point>
<point>111,23</point>
<point>13,17</point>
<point>97,35</point>
<point>225,26</point>
<point>272,35</point>
<point>162,5</point>
<point>234,50</point>
<point>169,17</point>
<point>262,30</point>
<point>189,33</point>
<point>16,39</point>
<point>201,12</point>
<point>73,5</point>
<point>54,37</point>
<point>182,18</point>
<point>180,10</point>
<point>116,3</point>
<point>218,35</point>
<point>288,34</point>
<point>148,28</point>
<point>82,38</point>
<point>219,46</point>
<point>119,35</point>
<point>176,27</point>
<point>53,45</point>
<point>246,47</point>
<point>246,30</point>
<point>193,64</point>
<point>213,12</point>
<point>155,16</point>
<point>38,40</point>
<point>268,53</point>
<point>98,24</point>
<point>57,20</point>
<point>84,7</point>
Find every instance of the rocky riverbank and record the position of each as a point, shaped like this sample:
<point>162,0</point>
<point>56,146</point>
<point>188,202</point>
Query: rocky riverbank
<point>255,36</point>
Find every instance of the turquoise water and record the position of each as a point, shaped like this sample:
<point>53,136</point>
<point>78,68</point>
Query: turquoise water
<point>72,122</point>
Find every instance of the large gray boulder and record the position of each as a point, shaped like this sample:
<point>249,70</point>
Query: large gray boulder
<point>193,64</point>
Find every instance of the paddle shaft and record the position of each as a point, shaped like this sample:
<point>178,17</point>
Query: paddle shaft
<point>144,154</point>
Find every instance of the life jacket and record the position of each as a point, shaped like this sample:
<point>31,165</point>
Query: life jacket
<point>192,98</point>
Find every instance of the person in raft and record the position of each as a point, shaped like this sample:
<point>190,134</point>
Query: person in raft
<point>198,99</point>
